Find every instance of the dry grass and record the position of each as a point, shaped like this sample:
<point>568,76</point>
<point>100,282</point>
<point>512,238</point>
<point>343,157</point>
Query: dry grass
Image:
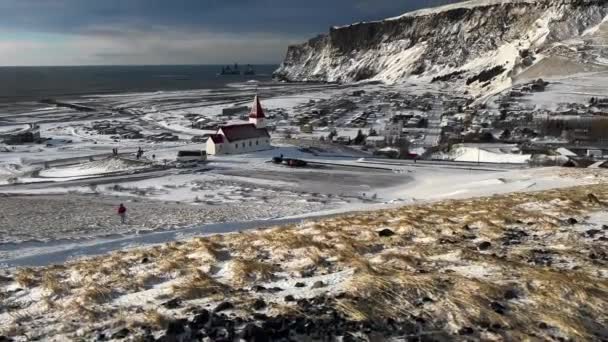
<point>27,277</point>
<point>198,285</point>
<point>246,271</point>
<point>95,293</point>
<point>53,282</point>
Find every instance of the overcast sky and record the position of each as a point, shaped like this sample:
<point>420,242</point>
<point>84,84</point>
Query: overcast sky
<point>87,32</point>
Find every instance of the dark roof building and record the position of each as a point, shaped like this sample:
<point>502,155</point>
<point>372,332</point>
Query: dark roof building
<point>239,132</point>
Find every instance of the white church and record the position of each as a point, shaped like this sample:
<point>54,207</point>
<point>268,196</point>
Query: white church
<point>242,137</point>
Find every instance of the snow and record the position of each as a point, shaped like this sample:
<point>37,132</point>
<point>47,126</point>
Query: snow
<point>487,155</point>
<point>94,168</point>
<point>464,4</point>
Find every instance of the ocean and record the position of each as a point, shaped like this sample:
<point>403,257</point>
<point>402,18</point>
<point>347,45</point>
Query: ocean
<point>26,84</point>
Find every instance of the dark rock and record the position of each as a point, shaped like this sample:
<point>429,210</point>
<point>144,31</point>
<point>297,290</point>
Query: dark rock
<point>303,303</point>
<point>175,328</point>
<point>223,306</point>
<point>602,238</point>
<point>543,325</point>
<point>605,227</point>
<point>145,260</point>
<point>498,308</point>
<point>466,331</point>
<point>469,237</point>
<point>275,290</point>
<point>100,337</point>
<point>592,233</point>
<point>593,199</point>
<point>483,246</point>
<point>510,294</point>
<point>300,284</point>
<point>289,298</point>
<point>572,221</point>
<point>259,316</point>
<point>258,304</point>
<point>200,319</point>
<point>386,233</point>
<point>253,333</point>
<point>258,288</point>
<point>173,303</point>
<point>318,284</point>
<point>122,333</point>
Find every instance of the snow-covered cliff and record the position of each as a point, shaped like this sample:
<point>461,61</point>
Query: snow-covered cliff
<point>480,43</point>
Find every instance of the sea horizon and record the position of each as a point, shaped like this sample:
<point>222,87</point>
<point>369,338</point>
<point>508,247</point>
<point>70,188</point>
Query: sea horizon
<point>35,83</point>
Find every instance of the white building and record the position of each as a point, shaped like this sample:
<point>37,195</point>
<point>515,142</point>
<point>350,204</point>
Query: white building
<point>242,137</point>
<point>393,128</point>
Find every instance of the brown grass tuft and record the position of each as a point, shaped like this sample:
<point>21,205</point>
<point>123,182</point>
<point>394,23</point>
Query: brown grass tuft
<point>199,285</point>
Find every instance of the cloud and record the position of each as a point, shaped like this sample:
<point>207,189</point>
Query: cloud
<point>66,32</point>
<point>153,45</point>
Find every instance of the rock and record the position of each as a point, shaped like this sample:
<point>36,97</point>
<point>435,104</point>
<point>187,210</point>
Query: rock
<point>605,227</point>
<point>299,284</point>
<point>253,333</point>
<point>572,221</point>
<point>303,303</point>
<point>122,333</point>
<point>483,246</point>
<point>275,290</point>
<point>258,288</point>
<point>543,325</point>
<point>318,284</point>
<point>593,199</point>
<point>498,308</point>
<point>259,316</point>
<point>289,298</point>
<point>173,303</point>
<point>466,331</point>
<point>223,306</point>
<point>386,233</point>
<point>175,328</point>
<point>592,233</point>
<point>258,304</point>
<point>510,294</point>
<point>200,319</point>
<point>145,260</point>
<point>100,337</point>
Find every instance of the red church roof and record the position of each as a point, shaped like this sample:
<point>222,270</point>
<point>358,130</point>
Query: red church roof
<point>242,132</point>
<point>257,112</point>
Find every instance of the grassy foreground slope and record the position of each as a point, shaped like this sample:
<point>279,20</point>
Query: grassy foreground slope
<point>517,266</point>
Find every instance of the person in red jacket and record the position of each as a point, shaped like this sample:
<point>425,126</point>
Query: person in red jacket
<point>122,212</point>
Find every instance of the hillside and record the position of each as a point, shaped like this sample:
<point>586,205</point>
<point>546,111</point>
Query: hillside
<point>521,266</point>
<point>479,44</point>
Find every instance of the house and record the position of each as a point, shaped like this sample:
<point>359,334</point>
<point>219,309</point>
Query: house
<point>375,141</point>
<point>393,127</point>
<point>242,137</point>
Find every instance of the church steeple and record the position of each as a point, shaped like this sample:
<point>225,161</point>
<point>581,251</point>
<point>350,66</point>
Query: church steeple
<point>257,116</point>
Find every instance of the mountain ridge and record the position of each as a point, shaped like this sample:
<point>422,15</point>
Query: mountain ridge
<point>465,40</point>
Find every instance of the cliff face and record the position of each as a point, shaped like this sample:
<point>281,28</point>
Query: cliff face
<point>480,43</point>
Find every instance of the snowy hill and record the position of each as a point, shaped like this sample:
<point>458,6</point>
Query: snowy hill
<point>481,44</point>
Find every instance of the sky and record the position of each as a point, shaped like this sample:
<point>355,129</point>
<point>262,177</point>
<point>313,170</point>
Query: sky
<point>141,32</point>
